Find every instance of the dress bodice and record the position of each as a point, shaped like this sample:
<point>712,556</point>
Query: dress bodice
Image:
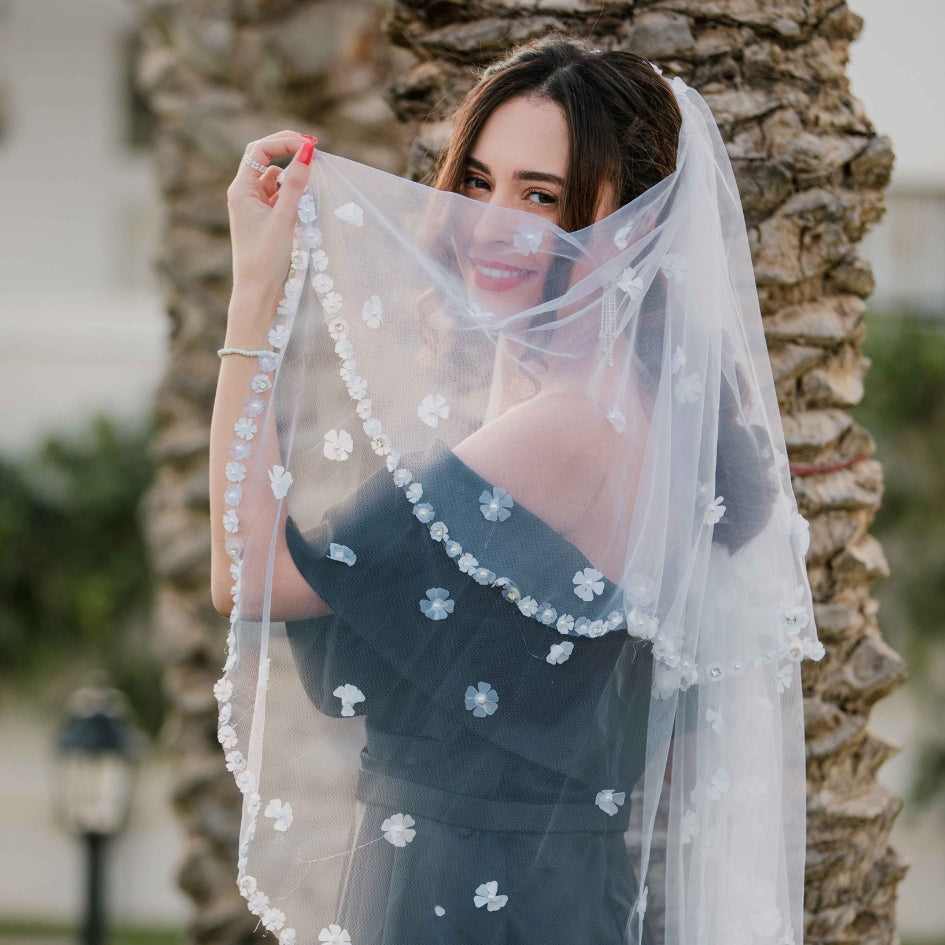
<point>545,738</point>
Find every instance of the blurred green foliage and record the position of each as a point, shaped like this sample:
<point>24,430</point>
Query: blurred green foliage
<point>17,932</point>
<point>74,575</point>
<point>904,409</point>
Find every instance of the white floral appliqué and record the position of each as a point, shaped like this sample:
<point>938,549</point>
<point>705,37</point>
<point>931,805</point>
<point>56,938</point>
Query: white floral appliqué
<point>273,919</point>
<point>437,605</point>
<point>398,829</point>
<point>616,419</point>
<point>372,312</point>
<point>609,800</point>
<point>688,389</point>
<point>280,479</point>
<point>334,935</point>
<point>527,239</point>
<point>235,762</point>
<point>478,314</point>
<point>350,213</point>
<point>244,428</point>
<point>350,696</point>
<point>487,895</point>
<point>322,283</point>
<point>332,303</point>
<point>496,506</point>
<point>423,512</point>
<point>630,283</point>
<point>258,902</point>
<point>565,623</point>
<point>718,785</point>
<point>278,336</point>
<point>528,606</point>
<point>714,512</point>
<point>482,700</point>
<point>280,813</point>
<point>793,619</point>
<point>588,583</point>
<point>800,534</point>
<point>306,208</point>
<point>341,553</point>
<point>338,445</point>
<point>674,266</point>
<point>223,690</point>
<point>559,652</point>
<point>621,237</point>
<point>433,408</point>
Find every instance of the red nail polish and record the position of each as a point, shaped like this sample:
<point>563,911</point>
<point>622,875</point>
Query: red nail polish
<point>311,138</point>
<point>305,153</point>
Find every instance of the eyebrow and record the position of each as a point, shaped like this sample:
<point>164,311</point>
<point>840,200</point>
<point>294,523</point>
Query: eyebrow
<point>538,176</point>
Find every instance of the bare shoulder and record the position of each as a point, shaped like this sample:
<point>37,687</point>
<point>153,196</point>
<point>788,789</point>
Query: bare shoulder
<point>544,452</point>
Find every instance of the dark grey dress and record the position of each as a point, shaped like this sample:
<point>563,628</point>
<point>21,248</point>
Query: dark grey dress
<point>507,797</point>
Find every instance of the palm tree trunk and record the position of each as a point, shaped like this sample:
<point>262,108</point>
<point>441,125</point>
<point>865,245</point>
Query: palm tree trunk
<point>811,171</point>
<point>218,76</point>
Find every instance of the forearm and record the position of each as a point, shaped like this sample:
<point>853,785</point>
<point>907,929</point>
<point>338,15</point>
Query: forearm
<point>242,504</point>
<point>249,320</point>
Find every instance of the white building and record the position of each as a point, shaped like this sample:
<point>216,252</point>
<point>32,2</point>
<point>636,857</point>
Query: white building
<point>897,71</point>
<point>83,330</point>
<point>81,318</point>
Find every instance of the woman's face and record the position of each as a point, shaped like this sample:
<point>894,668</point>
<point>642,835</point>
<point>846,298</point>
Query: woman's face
<point>518,162</point>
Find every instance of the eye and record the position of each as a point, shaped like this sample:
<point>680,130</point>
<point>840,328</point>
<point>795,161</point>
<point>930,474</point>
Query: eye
<point>474,182</point>
<point>541,198</point>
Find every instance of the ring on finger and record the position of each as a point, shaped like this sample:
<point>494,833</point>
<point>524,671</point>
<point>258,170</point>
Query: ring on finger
<point>255,165</point>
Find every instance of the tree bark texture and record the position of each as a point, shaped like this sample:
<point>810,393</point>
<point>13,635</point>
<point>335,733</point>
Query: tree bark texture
<point>811,172</point>
<point>218,74</point>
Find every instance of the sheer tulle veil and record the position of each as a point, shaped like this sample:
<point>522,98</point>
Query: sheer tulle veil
<point>579,659</point>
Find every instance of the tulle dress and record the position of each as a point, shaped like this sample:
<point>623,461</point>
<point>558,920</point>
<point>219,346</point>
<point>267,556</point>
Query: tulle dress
<point>516,790</point>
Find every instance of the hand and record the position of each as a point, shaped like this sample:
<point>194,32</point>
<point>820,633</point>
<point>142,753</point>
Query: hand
<point>262,211</point>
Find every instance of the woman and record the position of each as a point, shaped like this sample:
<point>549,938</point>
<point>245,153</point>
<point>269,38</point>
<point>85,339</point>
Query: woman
<point>563,561</point>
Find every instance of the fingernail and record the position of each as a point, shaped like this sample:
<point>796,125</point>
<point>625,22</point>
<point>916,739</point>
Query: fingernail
<point>305,153</point>
<point>311,138</point>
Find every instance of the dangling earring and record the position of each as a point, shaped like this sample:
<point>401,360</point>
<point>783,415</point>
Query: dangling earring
<point>608,323</point>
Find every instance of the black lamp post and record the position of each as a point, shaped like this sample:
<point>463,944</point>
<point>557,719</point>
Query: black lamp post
<point>96,762</point>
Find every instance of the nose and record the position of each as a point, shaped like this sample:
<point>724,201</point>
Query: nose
<point>492,227</point>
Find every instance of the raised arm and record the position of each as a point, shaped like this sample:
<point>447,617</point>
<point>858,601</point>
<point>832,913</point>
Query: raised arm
<point>262,218</point>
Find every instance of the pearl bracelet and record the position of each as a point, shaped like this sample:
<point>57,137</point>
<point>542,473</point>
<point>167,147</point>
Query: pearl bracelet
<point>255,353</point>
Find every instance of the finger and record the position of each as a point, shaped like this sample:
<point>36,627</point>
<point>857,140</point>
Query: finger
<point>294,180</point>
<point>265,150</point>
<point>268,183</point>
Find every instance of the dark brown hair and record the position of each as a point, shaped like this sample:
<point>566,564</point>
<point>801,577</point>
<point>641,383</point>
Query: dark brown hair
<point>623,129</point>
<point>622,117</point>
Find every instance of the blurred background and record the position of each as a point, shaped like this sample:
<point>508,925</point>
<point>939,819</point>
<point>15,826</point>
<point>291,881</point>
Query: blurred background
<point>82,309</point>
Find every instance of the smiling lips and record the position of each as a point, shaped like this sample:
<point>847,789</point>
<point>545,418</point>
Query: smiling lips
<point>495,276</point>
